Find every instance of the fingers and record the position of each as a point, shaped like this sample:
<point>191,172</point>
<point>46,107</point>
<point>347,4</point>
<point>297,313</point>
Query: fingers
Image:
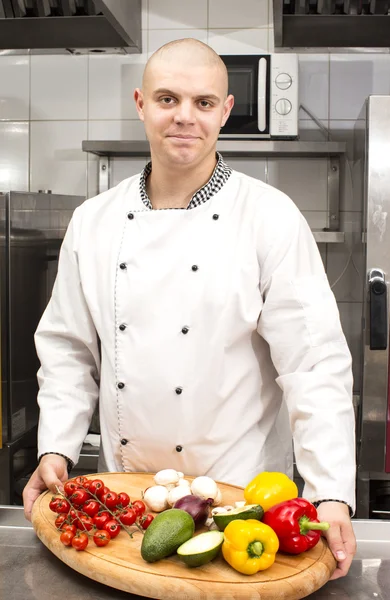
<point>341,540</point>
<point>49,475</point>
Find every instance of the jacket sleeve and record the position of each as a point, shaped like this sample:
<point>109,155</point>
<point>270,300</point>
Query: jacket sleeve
<point>300,322</point>
<point>67,347</point>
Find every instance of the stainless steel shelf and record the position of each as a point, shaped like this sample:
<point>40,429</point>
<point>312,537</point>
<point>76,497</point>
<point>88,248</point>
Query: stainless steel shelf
<point>329,237</point>
<point>247,148</point>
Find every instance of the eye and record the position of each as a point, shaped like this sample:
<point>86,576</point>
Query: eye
<point>166,100</point>
<point>205,104</point>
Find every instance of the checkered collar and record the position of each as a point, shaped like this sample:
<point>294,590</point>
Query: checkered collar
<point>219,177</point>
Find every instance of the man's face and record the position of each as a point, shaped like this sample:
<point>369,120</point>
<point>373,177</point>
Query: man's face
<point>183,109</point>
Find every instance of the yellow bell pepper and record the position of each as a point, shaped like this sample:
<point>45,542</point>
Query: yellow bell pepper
<point>268,489</point>
<point>249,546</point>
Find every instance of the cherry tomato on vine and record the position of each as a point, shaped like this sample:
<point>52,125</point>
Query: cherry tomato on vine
<point>101,537</point>
<point>66,538</point>
<point>101,519</point>
<point>85,522</point>
<point>79,497</point>
<point>62,507</point>
<point>91,507</point>
<point>112,527</point>
<point>139,507</point>
<point>101,492</point>
<point>70,487</point>
<point>127,516</point>
<point>95,485</point>
<point>80,541</point>
<point>80,480</point>
<point>110,500</point>
<point>146,520</point>
<point>60,521</point>
<point>53,503</point>
<point>69,527</point>
<point>123,499</point>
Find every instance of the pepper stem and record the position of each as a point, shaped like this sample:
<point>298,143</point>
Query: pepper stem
<point>255,549</point>
<point>306,525</point>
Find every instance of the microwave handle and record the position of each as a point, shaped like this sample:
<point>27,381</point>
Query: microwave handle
<point>262,94</point>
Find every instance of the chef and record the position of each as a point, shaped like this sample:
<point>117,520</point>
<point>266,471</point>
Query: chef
<point>192,303</point>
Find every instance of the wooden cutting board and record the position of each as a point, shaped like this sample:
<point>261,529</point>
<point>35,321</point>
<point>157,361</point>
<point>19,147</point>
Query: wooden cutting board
<point>121,566</point>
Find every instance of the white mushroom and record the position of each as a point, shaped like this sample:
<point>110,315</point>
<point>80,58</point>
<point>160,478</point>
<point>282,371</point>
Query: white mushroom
<point>156,497</point>
<point>180,474</point>
<point>218,498</point>
<point>184,483</point>
<point>178,492</point>
<point>167,477</point>
<point>204,487</point>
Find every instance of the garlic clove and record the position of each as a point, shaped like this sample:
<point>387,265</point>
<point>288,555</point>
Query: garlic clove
<point>213,526</point>
<point>166,477</point>
<point>209,521</point>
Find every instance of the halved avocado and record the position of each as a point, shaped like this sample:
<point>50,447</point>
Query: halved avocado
<point>201,549</point>
<point>250,511</point>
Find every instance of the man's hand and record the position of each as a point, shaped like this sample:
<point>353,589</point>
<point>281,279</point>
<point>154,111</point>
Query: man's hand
<point>340,535</point>
<point>50,473</point>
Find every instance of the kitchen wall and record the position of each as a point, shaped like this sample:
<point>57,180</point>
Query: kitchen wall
<point>49,104</point>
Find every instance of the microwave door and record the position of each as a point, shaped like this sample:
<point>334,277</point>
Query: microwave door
<point>262,96</point>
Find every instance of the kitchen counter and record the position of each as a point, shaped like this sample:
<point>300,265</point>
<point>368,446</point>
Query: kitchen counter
<point>28,570</point>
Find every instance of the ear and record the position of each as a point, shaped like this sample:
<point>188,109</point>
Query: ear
<point>139,103</point>
<point>227,108</point>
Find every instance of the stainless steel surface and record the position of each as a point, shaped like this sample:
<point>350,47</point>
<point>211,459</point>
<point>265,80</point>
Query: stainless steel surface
<point>106,150</point>
<point>372,173</point>
<point>112,26</point>
<point>29,570</point>
<point>247,148</point>
<point>32,227</point>
<point>321,26</point>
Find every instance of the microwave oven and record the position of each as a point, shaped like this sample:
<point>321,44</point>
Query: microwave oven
<point>265,90</point>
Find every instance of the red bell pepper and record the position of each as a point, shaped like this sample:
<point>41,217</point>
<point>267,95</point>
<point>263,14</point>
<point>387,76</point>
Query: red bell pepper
<point>296,524</point>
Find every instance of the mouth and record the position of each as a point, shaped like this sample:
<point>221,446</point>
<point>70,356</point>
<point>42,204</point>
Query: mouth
<point>183,137</point>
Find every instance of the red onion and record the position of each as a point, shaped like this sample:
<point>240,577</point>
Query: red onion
<point>196,507</point>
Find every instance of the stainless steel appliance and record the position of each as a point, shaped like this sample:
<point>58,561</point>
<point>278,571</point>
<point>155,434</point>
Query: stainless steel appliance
<point>71,26</point>
<point>32,227</point>
<point>372,176</point>
<point>265,88</point>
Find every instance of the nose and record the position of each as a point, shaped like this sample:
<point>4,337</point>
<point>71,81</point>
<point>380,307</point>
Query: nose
<point>185,113</point>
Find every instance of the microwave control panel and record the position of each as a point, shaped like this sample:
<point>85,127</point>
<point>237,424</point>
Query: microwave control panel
<point>284,95</point>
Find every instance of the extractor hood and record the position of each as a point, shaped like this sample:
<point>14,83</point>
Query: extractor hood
<point>75,26</point>
<point>331,23</point>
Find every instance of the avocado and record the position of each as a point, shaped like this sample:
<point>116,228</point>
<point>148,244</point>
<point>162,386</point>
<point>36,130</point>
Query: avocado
<point>169,530</point>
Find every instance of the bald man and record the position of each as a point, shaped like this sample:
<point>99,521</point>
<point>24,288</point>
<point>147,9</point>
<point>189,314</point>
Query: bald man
<point>192,303</point>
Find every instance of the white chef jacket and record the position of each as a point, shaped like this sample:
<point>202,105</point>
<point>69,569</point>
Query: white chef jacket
<point>242,273</point>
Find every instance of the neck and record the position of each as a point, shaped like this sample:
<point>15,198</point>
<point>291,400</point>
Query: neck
<point>170,187</point>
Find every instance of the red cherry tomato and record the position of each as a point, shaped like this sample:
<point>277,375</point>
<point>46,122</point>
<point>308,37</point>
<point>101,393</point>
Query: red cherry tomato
<point>123,500</point>
<point>85,523</point>
<point>80,480</point>
<point>91,508</point>
<point>70,487</point>
<point>112,527</point>
<point>87,484</point>
<point>101,519</point>
<point>145,521</point>
<point>101,492</point>
<point>110,500</point>
<point>66,538</point>
<point>80,541</point>
<point>79,497</point>
<point>139,507</point>
<point>62,507</point>
<point>60,521</point>
<point>128,516</point>
<point>69,527</point>
<point>101,537</point>
<point>95,485</point>
<point>53,503</point>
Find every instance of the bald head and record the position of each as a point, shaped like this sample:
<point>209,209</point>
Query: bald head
<point>188,52</point>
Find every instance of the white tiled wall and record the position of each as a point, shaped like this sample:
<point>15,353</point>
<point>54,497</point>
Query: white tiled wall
<point>49,104</point>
